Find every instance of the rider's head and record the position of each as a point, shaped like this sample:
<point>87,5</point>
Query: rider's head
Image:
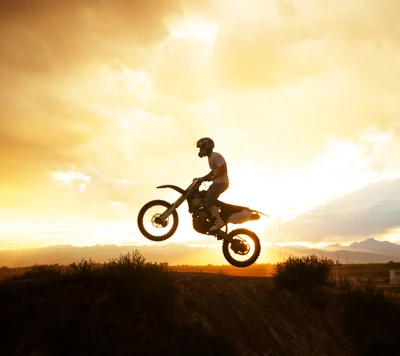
<point>205,146</point>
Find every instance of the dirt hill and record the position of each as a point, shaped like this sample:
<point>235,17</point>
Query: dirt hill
<point>129,308</point>
<point>257,318</point>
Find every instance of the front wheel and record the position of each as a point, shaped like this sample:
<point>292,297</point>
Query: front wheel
<point>148,222</point>
<point>244,249</point>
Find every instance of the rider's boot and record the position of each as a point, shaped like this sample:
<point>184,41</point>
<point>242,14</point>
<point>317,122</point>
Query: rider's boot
<point>218,221</point>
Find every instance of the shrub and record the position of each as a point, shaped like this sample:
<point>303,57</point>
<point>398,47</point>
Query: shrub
<point>125,263</point>
<point>370,318</point>
<point>344,283</point>
<point>42,271</point>
<point>114,308</point>
<point>302,272</point>
<point>83,267</point>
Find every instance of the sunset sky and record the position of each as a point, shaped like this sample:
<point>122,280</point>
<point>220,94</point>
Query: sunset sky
<point>101,101</point>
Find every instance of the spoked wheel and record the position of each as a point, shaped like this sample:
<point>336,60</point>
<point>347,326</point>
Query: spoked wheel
<point>244,250</point>
<point>150,225</point>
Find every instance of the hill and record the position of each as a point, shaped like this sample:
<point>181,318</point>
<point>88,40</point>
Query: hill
<point>151,313</point>
<point>129,307</point>
<point>259,319</point>
<point>367,251</point>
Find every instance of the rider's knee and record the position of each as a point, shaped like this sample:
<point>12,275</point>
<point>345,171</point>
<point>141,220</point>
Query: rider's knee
<point>208,204</point>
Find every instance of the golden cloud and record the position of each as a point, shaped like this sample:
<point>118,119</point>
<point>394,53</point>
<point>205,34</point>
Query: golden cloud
<point>43,36</point>
<point>107,85</point>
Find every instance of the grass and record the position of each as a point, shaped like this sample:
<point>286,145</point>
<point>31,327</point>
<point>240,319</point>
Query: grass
<point>127,306</point>
<point>378,271</point>
<point>121,307</point>
<point>367,270</point>
<point>369,315</point>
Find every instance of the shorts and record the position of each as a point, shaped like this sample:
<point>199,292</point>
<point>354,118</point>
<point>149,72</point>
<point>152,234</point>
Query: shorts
<point>215,190</point>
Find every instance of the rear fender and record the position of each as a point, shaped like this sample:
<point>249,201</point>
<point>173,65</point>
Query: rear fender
<point>244,215</point>
<point>258,212</point>
<point>240,217</point>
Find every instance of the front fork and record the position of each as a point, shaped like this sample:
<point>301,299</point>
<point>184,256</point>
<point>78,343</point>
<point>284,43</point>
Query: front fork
<point>162,218</point>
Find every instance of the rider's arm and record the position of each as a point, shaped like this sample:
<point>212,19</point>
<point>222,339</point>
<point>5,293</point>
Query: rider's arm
<point>219,171</point>
<point>208,177</point>
<point>216,173</point>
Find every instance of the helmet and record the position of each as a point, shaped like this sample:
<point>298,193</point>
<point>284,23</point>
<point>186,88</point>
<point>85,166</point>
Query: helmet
<point>205,145</point>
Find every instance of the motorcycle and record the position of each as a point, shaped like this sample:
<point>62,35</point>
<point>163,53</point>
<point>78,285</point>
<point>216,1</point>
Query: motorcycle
<point>158,220</point>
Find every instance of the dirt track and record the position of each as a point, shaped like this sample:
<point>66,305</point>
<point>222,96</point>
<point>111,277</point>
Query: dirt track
<point>258,318</point>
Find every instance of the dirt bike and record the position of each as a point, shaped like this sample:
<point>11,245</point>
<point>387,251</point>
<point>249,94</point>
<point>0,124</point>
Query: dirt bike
<point>158,221</point>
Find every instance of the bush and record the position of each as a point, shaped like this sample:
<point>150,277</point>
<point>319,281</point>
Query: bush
<point>42,271</point>
<point>122,307</point>
<point>344,283</point>
<point>303,272</point>
<point>370,318</point>
<point>114,308</point>
<point>82,268</point>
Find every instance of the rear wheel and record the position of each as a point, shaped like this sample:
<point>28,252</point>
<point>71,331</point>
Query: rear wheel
<point>150,225</point>
<point>244,249</point>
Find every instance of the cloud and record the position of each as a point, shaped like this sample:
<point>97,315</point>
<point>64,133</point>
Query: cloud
<point>47,51</point>
<point>40,130</point>
<point>367,212</point>
<point>182,70</point>
<point>43,36</point>
<point>49,115</point>
<point>91,193</point>
<point>248,56</point>
<point>119,91</point>
<point>273,46</point>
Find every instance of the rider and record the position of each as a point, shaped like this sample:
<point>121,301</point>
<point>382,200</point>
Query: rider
<point>219,177</point>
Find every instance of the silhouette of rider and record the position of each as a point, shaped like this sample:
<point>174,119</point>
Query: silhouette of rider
<point>219,177</point>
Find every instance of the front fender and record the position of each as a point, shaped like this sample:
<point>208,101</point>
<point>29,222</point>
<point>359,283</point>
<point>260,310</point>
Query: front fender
<point>174,187</point>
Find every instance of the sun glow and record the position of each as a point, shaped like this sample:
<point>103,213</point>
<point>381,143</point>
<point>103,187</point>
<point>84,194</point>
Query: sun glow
<point>200,30</point>
<point>341,168</point>
<point>391,235</point>
<point>30,233</point>
<point>299,97</point>
<point>68,178</point>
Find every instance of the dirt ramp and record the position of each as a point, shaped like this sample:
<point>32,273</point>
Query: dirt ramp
<point>257,318</point>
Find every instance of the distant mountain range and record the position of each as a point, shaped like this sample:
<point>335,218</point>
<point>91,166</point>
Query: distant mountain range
<point>369,250</point>
<point>374,245</point>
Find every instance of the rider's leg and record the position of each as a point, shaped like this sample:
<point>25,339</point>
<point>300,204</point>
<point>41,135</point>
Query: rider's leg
<point>218,222</point>
<point>210,202</point>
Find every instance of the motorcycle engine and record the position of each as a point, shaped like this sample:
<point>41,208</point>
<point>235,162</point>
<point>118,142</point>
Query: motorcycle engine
<point>201,220</point>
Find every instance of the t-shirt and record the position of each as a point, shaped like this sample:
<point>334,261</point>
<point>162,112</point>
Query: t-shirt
<point>215,160</point>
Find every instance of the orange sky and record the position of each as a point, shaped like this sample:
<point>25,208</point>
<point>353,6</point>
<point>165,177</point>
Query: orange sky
<point>102,101</point>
